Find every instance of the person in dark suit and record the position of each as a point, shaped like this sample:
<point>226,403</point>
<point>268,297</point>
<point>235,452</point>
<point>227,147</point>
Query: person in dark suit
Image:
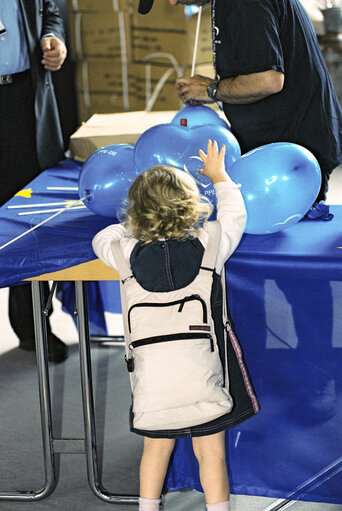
<point>31,46</point>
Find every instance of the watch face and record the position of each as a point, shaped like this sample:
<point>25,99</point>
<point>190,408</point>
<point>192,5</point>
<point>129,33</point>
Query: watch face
<point>212,90</point>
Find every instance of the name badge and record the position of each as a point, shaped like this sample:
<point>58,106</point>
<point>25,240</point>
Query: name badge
<point>2,28</point>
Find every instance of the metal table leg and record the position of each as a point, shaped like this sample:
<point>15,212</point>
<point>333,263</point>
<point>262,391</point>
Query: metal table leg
<point>88,404</point>
<point>45,405</point>
<point>51,445</point>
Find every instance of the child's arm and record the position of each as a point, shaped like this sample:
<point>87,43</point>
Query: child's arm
<point>231,211</point>
<point>102,243</point>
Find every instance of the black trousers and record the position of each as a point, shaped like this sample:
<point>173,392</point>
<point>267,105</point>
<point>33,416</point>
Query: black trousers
<point>18,153</point>
<point>18,166</point>
<point>21,313</point>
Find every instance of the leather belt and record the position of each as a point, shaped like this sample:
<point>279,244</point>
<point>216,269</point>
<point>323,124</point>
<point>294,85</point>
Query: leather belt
<point>8,79</point>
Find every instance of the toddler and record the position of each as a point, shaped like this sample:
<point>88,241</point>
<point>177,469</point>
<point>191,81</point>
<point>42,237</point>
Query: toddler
<point>163,238</point>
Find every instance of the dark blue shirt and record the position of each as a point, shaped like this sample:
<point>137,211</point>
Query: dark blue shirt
<point>260,35</point>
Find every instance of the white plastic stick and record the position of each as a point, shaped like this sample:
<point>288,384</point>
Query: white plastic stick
<point>63,188</point>
<point>196,41</point>
<point>42,205</point>
<point>41,223</point>
<point>42,211</point>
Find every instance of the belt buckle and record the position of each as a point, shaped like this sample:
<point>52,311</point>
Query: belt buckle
<point>5,79</point>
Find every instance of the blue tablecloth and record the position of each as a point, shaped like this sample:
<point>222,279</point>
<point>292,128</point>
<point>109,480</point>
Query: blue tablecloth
<point>285,297</point>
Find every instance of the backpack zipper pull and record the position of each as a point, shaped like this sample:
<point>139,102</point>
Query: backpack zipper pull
<point>130,364</point>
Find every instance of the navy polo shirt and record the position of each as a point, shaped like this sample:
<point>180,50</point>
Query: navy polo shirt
<point>259,35</point>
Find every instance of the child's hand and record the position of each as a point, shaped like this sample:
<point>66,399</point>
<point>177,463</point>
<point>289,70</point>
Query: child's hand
<point>214,167</point>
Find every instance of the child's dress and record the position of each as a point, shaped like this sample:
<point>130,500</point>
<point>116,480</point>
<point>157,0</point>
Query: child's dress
<point>167,265</point>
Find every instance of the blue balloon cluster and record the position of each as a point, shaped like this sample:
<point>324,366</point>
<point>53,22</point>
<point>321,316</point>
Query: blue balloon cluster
<point>279,181</point>
<point>106,177</point>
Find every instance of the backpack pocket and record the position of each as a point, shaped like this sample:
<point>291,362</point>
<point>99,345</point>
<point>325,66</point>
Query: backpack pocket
<point>178,381</point>
<point>141,317</point>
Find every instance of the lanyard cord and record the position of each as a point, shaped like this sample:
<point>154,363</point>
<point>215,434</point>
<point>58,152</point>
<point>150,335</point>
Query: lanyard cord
<point>213,34</point>
<point>215,42</point>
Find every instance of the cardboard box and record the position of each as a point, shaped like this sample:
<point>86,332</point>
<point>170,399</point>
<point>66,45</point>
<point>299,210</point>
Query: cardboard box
<point>100,34</point>
<point>103,103</point>
<point>106,129</point>
<point>150,79</point>
<point>170,32</point>
<point>100,5</point>
<point>107,75</point>
<point>105,87</point>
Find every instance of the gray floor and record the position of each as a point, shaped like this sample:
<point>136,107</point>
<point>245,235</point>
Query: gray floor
<point>119,450</point>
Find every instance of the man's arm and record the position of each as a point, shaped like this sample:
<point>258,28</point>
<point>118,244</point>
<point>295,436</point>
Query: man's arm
<point>52,45</point>
<point>52,20</point>
<point>241,89</point>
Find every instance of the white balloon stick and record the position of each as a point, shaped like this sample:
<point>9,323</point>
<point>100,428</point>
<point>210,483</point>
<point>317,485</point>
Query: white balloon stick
<point>41,223</point>
<point>42,205</point>
<point>63,188</point>
<point>196,41</point>
<point>42,211</point>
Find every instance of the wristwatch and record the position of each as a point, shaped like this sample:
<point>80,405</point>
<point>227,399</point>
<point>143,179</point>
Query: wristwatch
<point>212,90</point>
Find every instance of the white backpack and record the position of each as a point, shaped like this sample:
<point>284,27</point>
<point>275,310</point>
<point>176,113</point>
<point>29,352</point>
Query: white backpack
<point>171,348</point>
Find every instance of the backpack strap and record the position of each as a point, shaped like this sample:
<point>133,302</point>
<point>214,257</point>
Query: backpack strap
<point>211,250</point>
<point>126,274</point>
<point>123,267</point>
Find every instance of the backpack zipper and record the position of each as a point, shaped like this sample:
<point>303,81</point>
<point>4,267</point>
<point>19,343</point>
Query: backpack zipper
<point>173,337</point>
<point>168,304</point>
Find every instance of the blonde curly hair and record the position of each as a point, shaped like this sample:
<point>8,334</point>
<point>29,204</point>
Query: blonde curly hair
<point>164,203</point>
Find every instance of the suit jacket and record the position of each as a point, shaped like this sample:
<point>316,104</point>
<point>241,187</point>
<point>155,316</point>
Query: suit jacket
<point>42,17</point>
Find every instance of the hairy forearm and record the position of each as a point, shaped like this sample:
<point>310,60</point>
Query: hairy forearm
<point>250,88</point>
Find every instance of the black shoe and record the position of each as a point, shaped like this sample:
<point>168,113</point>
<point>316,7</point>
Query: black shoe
<point>58,351</point>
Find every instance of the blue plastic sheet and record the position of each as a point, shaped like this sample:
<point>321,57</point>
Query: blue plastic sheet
<point>285,296</point>
<point>63,242</point>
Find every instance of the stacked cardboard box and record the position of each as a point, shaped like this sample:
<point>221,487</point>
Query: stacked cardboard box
<point>101,45</point>
<point>126,61</point>
<point>155,85</point>
<point>166,30</point>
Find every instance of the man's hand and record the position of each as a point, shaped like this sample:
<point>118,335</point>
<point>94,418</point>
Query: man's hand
<point>54,53</point>
<point>214,167</point>
<point>194,89</point>
<point>242,89</point>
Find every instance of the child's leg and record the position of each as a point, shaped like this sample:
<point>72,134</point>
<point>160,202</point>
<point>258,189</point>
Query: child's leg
<point>153,466</point>
<point>211,455</point>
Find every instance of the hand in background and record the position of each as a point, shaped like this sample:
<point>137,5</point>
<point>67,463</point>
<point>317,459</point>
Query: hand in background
<point>54,53</point>
<point>214,167</point>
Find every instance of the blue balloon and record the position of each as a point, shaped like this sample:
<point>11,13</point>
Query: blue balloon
<point>199,115</point>
<point>279,183</point>
<point>168,144</point>
<point>106,177</point>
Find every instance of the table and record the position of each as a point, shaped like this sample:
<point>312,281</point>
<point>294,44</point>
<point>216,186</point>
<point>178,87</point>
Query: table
<point>285,296</point>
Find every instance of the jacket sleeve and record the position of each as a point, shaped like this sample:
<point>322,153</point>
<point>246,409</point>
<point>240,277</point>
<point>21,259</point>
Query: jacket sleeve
<point>231,213</point>
<point>52,20</point>
<point>102,243</point>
